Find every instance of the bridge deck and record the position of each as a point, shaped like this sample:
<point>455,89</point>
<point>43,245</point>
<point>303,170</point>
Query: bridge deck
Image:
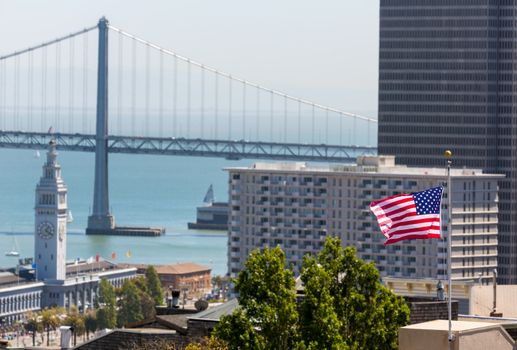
<point>240,149</point>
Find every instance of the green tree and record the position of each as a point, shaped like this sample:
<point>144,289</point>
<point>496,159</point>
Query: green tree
<point>106,306</point>
<point>345,305</point>
<point>238,332</point>
<point>365,313</point>
<point>107,295</point>
<point>153,285</point>
<point>318,318</point>
<point>268,302</point>
<point>148,306</point>
<point>90,322</point>
<point>50,321</point>
<point>33,324</point>
<point>140,282</point>
<point>75,320</point>
<point>146,301</point>
<point>130,309</point>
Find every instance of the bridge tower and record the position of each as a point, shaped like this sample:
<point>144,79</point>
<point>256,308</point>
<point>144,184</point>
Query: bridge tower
<point>101,218</point>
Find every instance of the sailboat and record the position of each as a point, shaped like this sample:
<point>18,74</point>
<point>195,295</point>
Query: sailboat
<point>36,154</point>
<point>212,215</point>
<point>14,251</point>
<point>209,196</point>
<point>69,217</point>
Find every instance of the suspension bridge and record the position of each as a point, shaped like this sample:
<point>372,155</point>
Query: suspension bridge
<point>159,102</point>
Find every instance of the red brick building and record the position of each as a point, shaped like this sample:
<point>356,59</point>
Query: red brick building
<point>196,278</point>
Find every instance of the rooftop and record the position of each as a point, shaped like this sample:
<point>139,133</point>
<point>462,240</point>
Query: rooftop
<point>216,312</point>
<point>175,269</point>
<point>182,268</point>
<point>9,279</point>
<point>457,326</point>
<point>366,164</point>
<point>85,267</point>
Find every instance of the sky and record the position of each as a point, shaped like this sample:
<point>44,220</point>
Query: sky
<point>322,51</point>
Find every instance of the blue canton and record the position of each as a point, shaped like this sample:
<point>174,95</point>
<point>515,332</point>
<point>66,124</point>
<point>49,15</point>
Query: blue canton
<point>428,201</point>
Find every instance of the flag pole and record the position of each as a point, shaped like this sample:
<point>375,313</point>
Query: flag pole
<point>448,155</point>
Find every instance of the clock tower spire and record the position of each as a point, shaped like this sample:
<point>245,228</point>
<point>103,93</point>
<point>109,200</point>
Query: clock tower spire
<point>50,220</point>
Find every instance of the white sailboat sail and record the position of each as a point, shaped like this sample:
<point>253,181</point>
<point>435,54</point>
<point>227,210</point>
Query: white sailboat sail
<point>209,196</point>
<point>14,251</point>
<point>69,218</point>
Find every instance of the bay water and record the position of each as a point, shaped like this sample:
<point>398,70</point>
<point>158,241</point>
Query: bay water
<point>145,190</point>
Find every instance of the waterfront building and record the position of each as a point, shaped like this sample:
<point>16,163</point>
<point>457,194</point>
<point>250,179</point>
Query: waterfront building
<point>446,81</point>
<point>51,280</point>
<point>297,206</point>
<point>193,278</point>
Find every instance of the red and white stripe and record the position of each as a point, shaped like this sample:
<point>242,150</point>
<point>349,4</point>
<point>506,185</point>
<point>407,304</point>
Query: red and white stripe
<point>398,219</point>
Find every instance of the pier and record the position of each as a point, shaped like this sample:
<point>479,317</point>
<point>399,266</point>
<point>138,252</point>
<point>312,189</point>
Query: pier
<point>127,231</point>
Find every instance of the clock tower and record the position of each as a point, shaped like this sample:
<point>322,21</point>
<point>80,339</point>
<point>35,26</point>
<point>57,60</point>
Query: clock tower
<point>50,221</point>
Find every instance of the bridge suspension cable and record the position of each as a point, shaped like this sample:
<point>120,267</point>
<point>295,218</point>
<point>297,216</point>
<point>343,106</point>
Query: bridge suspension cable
<point>231,77</point>
<point>47,43</point>
<point>166,95</point>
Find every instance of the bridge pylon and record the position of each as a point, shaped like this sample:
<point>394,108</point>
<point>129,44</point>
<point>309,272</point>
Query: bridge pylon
<point>101,219</point>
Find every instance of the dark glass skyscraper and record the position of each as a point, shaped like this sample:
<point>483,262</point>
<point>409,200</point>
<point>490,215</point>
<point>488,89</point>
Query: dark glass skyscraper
<point>448,80</point>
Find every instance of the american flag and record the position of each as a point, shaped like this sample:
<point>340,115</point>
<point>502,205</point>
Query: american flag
<point>409,216</point>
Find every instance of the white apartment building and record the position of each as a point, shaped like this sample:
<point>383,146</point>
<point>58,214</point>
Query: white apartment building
<point>296,206</point>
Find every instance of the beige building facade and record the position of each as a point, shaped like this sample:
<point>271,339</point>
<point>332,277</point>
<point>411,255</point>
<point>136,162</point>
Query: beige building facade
<point>296,206</point>
<point>467,336</point>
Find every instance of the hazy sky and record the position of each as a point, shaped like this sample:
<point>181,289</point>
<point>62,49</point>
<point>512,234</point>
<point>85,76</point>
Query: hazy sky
<point>325,51</point>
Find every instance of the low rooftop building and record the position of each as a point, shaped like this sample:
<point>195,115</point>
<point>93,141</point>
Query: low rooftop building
<point>193,278</point>
<point>468,335</point>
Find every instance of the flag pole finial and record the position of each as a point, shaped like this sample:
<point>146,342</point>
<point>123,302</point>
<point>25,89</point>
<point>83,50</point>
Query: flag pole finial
<point>448,154</point>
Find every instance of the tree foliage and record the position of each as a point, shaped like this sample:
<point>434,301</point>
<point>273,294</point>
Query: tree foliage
<point>107,303</point>
<point>268,301</point>
<point>33,324</point>
<point>148,306</point>
<point>208,344</point>
<point>75,320</point>
<point>90,322</point>
<point>130,308</point>
<point>368,315</point>
<point>318,318</point>
<point>344,307</point>
<point>153,285</point>
<point>50,320</point>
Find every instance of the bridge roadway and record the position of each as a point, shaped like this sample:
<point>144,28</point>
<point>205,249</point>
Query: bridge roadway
<point>237,149</point>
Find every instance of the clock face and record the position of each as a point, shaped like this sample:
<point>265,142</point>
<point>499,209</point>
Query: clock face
<point>46,230</point>
<point>61,231</point>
